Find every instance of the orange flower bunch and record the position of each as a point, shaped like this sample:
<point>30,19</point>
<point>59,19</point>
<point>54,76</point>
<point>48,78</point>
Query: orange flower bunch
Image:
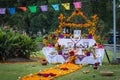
<point>92,31</point>
<point>94,17</point>
<point>71,59</point>
<point>87,25</point>
<point>66,35</point>
<point>61,17</point>
<point>98,39</point>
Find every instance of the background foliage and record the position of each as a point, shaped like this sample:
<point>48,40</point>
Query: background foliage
<point>40,21</point>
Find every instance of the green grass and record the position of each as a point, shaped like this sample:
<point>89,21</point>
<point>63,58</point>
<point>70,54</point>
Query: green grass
<point>13,71</point>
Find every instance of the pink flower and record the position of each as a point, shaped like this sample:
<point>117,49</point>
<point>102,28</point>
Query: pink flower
<point>100,46</point>
<point>50,45</point>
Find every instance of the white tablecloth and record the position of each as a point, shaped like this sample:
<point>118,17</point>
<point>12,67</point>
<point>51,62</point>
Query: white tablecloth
<point>60,59</point>
<point>90,59</point>
<point>77,41</point>
<point>52,58</point>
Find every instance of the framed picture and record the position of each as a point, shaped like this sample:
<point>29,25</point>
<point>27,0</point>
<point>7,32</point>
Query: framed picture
<point>77,34</point>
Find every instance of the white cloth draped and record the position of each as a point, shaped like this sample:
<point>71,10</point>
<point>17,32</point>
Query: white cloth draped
<point>51,58</point>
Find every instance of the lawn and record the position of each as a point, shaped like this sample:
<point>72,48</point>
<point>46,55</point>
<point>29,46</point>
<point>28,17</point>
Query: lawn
<point>16,70</point>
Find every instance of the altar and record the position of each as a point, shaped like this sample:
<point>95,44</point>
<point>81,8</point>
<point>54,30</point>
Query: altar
<point>80,41</point>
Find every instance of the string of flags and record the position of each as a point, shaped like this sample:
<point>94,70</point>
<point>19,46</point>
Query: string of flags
<point>43,8</point>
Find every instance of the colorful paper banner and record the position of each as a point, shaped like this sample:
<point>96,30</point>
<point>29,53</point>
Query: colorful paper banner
<point>2,10</point>
<point>77,4</point>
<point>12,10</point>
<point>33,9</point>
<point>55,6</point>
<point>44,8</point>
<point>66,6</point>
<point>23,8</point>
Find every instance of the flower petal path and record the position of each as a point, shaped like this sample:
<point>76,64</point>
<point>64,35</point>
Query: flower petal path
<point>51,73</point>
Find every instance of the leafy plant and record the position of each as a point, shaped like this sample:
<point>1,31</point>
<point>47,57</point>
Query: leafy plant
<point>39,38</point>
<point>14,44</point>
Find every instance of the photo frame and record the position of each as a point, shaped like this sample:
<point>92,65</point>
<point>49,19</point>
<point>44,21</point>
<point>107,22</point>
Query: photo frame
<point>77,34</point>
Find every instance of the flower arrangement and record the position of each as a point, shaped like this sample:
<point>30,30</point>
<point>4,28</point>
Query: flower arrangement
<point>87,51</point>
<point>50,40</point>
<point>58,47</point>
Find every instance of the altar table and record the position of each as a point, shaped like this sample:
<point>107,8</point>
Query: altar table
<point>56,58</point>
<point>53,58</point>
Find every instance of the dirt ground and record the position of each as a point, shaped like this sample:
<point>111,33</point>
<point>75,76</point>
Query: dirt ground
<point>15,60</point>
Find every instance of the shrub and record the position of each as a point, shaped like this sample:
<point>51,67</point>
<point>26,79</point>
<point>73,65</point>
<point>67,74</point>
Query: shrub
<point>14,44</point>
<point>39,38</point>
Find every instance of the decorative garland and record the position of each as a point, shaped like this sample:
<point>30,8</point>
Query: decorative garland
<point>89,24</point>
<point>65,22</point>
